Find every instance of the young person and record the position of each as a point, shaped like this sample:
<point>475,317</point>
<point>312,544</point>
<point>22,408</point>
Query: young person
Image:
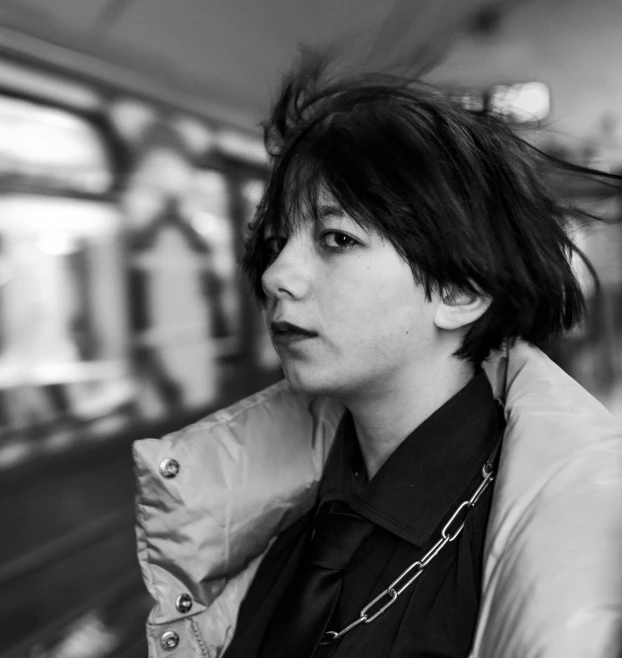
<point>402,244</point>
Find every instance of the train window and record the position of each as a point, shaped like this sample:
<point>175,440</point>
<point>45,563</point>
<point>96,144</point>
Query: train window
<point>62,339</point>
<point>51,148</point>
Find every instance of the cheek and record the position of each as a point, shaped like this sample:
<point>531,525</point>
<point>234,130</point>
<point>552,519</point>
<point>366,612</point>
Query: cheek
<point>379,309</point>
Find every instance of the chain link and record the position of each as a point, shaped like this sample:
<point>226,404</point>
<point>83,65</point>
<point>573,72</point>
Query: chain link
<point>378,605</point>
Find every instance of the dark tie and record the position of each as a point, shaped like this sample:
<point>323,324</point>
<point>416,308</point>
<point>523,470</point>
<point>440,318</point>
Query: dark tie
<point>301,617</point>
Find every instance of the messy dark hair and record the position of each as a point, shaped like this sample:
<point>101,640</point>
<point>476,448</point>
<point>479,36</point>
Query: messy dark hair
<point>458,194</point>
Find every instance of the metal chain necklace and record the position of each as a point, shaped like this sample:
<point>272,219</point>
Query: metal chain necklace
<point>389,596</point>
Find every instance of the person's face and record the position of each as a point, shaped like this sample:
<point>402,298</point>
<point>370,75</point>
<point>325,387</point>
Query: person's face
<point>361,324</point>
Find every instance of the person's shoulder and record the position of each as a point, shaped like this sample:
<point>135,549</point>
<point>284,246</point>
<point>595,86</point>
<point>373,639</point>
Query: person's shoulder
<point>554,427</point>
<point>211,497</point>
<point>538,394</point>
<point>552,548</point>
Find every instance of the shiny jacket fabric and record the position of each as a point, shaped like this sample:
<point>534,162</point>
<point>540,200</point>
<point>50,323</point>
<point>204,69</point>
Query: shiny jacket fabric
<point>552,585</point>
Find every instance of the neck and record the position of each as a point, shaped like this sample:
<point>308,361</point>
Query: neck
<point>383,421</point>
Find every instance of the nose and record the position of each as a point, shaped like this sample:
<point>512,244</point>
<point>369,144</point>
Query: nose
<point>289,275</point>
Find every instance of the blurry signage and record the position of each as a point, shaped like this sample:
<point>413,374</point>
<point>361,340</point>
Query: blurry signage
<point>472,101</point>
<point>523,103</point>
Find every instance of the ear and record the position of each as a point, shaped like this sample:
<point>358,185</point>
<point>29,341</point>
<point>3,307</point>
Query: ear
<point>456,309</point>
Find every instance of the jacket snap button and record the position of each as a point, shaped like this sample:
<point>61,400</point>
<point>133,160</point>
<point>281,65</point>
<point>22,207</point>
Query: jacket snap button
<point>169,468</point>
<point>169,640</point>
<point>183,603</point>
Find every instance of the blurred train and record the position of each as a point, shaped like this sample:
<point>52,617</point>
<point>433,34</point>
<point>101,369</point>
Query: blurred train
<point>123,315</point>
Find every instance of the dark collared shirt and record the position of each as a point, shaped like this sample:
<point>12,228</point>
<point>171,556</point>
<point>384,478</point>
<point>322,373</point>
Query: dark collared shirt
<point>409,500</point>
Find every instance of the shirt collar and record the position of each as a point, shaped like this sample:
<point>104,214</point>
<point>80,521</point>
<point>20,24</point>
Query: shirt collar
<point>427,473</point>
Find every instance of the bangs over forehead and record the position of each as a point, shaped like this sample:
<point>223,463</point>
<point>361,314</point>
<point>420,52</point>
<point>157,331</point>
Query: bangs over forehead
<point>311,176</point>
<point>351,154</point>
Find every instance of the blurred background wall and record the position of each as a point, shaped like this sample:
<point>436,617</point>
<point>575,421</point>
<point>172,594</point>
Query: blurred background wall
<point>130,162</point>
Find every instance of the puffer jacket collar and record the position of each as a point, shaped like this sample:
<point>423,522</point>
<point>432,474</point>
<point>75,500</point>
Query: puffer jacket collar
<point>212,497</point>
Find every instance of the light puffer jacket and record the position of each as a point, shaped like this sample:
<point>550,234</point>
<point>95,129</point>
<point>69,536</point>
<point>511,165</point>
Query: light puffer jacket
<point>552,585</point>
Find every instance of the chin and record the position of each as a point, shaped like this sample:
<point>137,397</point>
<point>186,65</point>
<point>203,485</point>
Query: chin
<point>310,383</point>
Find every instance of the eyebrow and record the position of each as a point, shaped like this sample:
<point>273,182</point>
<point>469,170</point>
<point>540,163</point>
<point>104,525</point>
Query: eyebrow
<point>325,211</point>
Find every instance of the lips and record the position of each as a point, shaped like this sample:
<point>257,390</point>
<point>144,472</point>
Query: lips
<point>285,333</point>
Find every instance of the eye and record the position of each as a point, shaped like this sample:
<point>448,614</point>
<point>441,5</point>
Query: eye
<point>338,241</point>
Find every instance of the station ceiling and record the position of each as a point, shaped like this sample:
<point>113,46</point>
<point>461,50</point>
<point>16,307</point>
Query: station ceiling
<point>227,55</point>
